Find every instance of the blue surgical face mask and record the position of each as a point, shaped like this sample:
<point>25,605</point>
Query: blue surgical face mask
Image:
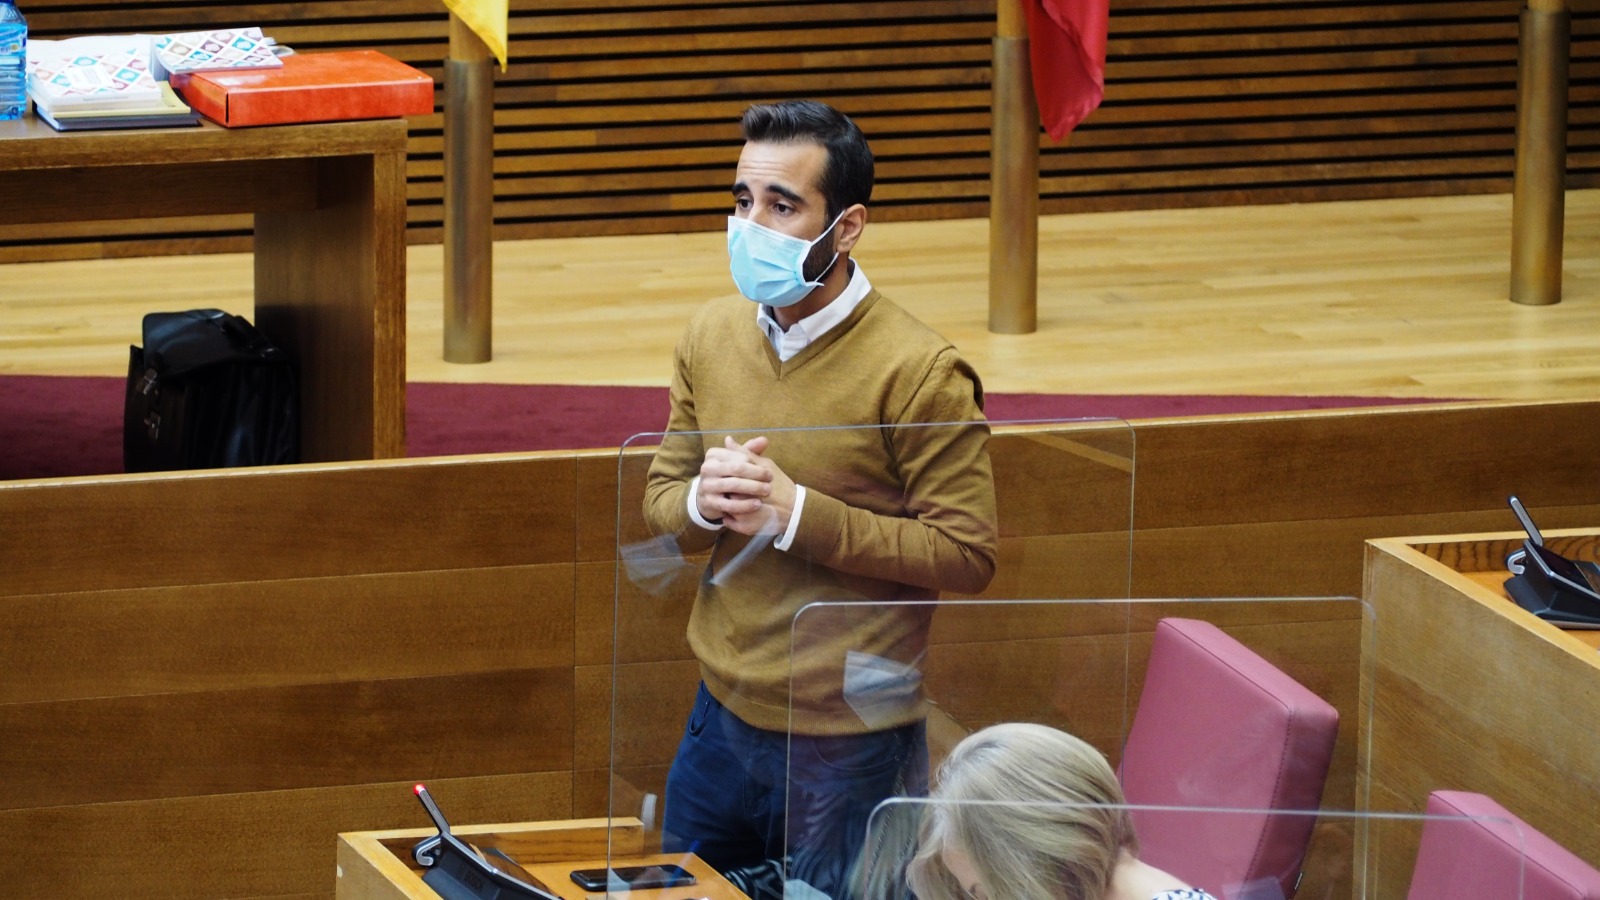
<point>769,266</point>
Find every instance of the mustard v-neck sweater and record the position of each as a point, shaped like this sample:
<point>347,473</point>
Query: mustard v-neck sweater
<point>897,509</point>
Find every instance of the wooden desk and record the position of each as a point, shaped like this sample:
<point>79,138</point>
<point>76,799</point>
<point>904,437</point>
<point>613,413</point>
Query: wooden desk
<point>377,865</point>
<point>1472,693</point>
<point>329,204</point>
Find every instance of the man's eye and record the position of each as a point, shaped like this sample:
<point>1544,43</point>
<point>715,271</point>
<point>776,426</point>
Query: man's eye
<point>782,208</point>
<point>741,202</point>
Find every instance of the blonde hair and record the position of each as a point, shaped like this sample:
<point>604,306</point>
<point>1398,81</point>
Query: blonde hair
<point>1026,804</point>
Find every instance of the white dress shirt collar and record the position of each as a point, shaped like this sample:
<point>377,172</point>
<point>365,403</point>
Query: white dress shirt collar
<point>800,335</point>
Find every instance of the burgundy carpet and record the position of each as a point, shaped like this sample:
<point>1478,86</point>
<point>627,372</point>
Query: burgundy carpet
<point>56,426</point>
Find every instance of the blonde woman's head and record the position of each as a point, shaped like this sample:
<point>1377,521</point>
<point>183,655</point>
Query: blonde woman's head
<point>1018,813</point>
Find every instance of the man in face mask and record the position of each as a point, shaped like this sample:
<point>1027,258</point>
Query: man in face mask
<point>787,751</point>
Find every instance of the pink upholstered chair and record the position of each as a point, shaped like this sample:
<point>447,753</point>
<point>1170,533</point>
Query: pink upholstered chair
<point>1219,727</point>
<point>1487,856</point>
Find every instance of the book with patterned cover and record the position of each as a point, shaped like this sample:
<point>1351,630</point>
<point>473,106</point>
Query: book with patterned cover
<point>92,73</point>
<point>223,48</point>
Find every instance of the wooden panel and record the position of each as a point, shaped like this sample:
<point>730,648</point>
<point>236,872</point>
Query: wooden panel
<point>630,478</point>
<point>150,747</point>
<point>601,792</point>
<point>645,620</point>
<point>594,716</point>
<point>191,237</point>
<point>594,614</point>
<point>628,108</point>
<point>231,637</point>
<point>1058,567</point>
<point>591,792</point>
<point>1089,471</point>
<point>390,855</point>
<point>324,282</point>
<point>1310,557</point>
<point>1473,694</point>
<point>30,143</point>
<point>598,537</point>
<point>1370,463</point>
<point>1076,684</point>
<point>635,721</point>
<point>123,228</point>
<point>258,524</point>
<point>996,620</point>
<point>367,870</point>
<point>138,191</point>
<point>262,844</point>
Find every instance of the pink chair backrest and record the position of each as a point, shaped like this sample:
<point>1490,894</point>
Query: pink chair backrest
<point>1488,856</point>
<point>1220,727</point>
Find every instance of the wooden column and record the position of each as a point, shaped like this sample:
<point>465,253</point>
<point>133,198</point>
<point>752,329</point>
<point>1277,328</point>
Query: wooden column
<point>1014,178</point>
<point>468,198</point>
<point>1538,194</point>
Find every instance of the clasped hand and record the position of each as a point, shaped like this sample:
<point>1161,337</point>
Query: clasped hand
<point>745,489</point>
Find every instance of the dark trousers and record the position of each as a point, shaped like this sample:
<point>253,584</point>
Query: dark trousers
<point>738,796</point>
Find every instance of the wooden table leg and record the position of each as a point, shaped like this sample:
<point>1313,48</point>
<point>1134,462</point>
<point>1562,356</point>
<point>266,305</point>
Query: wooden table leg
<point>330,285</point>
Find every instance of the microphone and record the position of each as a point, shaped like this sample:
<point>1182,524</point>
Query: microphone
<point>426,850</point>
<point>421,791</point>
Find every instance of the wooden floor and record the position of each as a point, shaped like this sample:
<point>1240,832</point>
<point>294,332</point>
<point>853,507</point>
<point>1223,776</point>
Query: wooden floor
<point>1393,298</point>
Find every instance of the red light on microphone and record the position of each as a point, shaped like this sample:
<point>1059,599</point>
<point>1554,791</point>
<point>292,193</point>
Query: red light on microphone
<point>418,788</point>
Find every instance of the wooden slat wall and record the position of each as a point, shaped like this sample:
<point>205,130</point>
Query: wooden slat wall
<point>618,116</point>
<point>205,676</point>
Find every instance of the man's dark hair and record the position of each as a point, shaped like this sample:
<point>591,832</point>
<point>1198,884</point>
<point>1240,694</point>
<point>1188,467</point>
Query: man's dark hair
<point>847,176</point>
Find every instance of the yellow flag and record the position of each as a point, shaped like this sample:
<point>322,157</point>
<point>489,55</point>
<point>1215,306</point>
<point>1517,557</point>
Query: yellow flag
<point>487,19</point>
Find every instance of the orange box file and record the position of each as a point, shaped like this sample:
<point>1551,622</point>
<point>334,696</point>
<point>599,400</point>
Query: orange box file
<point>310,87</point>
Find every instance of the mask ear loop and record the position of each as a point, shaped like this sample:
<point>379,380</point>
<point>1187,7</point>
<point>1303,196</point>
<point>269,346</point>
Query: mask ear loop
<point>817,281</point>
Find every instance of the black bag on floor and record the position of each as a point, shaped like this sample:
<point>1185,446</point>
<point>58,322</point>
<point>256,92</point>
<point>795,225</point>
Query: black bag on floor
<point>208,390</point>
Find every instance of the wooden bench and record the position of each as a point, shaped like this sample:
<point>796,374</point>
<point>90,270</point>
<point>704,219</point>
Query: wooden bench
<point>208,675</point>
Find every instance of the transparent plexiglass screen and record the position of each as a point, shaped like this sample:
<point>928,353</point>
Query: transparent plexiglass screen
<point>1193,702</point>
<point>892,514</point>
<point>942,849</point>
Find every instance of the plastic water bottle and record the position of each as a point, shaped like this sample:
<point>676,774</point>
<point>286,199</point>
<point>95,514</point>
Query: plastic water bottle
<point>13,61</point>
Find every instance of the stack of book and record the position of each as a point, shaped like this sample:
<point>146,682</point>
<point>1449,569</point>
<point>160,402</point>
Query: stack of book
<point>165,111</point>
<point>101,82</point>
<point>233,76</point>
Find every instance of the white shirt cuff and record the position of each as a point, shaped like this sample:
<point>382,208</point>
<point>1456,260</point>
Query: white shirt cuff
<point>784,542</point>
<point>694,508</point>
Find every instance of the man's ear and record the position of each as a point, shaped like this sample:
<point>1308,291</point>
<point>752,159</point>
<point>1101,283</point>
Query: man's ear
<point>851,224</point>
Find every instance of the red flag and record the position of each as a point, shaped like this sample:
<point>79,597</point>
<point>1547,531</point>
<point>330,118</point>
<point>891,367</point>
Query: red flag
<point>1067,40</point>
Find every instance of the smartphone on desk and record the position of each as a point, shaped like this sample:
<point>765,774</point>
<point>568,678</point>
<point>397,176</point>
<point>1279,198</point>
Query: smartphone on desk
<point>632,878</point>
